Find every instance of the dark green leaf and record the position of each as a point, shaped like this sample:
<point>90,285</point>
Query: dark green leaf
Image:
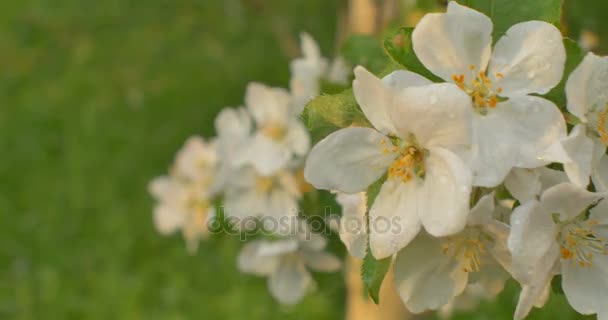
<point>574,57</point>
<point>556,285</point>
<point>328,113</point>
<point>372,273</point>
<point>399,48</point>
<point>373,190</point>
<point>365,51</point>
<point>505,13</point>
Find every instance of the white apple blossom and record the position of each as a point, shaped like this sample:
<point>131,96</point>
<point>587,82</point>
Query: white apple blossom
<point>587,94</point>
<point>353,223</point>
<point>418,129</point>
<point>280,135</point>
<point>308,71</point>
<point>556,234</point>
<point>286,262</point>
<point>184,196</point>
<point>511,127</point>
<point>255,195</point>
<point>431,272</point>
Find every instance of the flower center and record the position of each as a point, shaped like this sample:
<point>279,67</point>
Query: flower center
<point>409,162</point>
<point>598,121</point>
<point>274,131</point>
<point>579,243</point>
<point>264,184</point>
<point>480,89</point>
<point>467,248</point>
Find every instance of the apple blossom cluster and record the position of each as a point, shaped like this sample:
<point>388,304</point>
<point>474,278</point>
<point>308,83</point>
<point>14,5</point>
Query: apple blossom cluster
<point>443,150</point>
<point>254,168</point>
<point>461,178</point>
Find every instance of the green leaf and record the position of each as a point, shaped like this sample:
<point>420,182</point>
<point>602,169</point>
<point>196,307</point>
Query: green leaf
<point>372,273</point>
<point>365,51</point>
<point>505,13</point>
<point>575,55</point>
<point>399,48</point>
<point>328,113</point>
<point>373,190</point>
<point>556,285</point>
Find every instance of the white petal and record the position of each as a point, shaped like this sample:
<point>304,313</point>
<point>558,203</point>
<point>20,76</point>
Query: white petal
<point>353,223</point>
<point>600,174</point>
<point>550,177</point>
<point>437,114</point>
<point>448,44</point>
<point>568,200</point>
<point>374,98</point>
<point>348,160</point>
<point>531,225</point>
<point>531,295</point>
<point>289,282</point>
<point>482,212</point>
<point>523,184</point>
<point>268,155</point>
<point>444,202</point>
<point>297,138</point>
<point>267,105</point>
<point>585,287</point>
<point>393,218</point>
<point>233,127</point>
<point>160,187</point>
<point>514,134</point>
<point>168,219</point>
<point>252,260</point>
<point>322,261</point>
<point>530,56</point>
<point>579,149</point>
<point>425,278</point>
<point>281,204</point>
<point>402,79</point>
<point>587,86</point>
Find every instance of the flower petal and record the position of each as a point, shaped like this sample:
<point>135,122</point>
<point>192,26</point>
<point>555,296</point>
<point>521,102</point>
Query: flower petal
<point>393,218</point>
<point>353,223</point>
<point>267,155</point>
<point>444,202</point>
<point>374,98</point>
<point>289,282</point>
<point>348,160</point>
<point>579,149</point>
<point>402,79</point>
<point>530,224</point>
<point>514,134</point>
<point>586,287</point>
<point>449,43</point>
<point>568,200</point>
<point>267,105</point>
<point>437,114</point>
<point>523,184</point>
<point>587,86</point>
<point>600,174</point>
<point>425,278</point>
<point>322,261</point>
<point>529,58</point>
<point>482,212</point>
<point>533,294</point>
<point>252,260</point>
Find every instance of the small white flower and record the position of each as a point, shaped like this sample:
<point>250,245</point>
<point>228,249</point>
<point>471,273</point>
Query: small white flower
<point>280,136</point>
<point>431,272</point>
<point>587,94</point>
<point>353,223</point>
<point>417,130</point>
<point>308,71</point>
<point>286,262</point>
<point>184,198</point>
<point>511,128</point>
<point>556,235</point>
<point>255,195</point>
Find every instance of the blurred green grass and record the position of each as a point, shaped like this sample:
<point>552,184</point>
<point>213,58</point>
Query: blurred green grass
<point>95,98</point>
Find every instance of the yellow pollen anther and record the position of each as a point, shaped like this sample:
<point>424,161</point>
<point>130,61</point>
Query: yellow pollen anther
<point>601,127</point>
<point>408,164</point>
<point>480,88</point>
<point>580,244</point>
<point>264,184</point>
<point>274,131</point>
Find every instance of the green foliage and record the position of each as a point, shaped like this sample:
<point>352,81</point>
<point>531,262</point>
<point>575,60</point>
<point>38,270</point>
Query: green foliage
<point>505,13</point>
<point>365,51</point>
<point>574,57</point>
<point>373,272</point>
<point>399,48</point>
<point>328,113</point>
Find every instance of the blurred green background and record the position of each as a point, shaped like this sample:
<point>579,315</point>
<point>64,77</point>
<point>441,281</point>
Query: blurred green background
<point>95,98</point>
